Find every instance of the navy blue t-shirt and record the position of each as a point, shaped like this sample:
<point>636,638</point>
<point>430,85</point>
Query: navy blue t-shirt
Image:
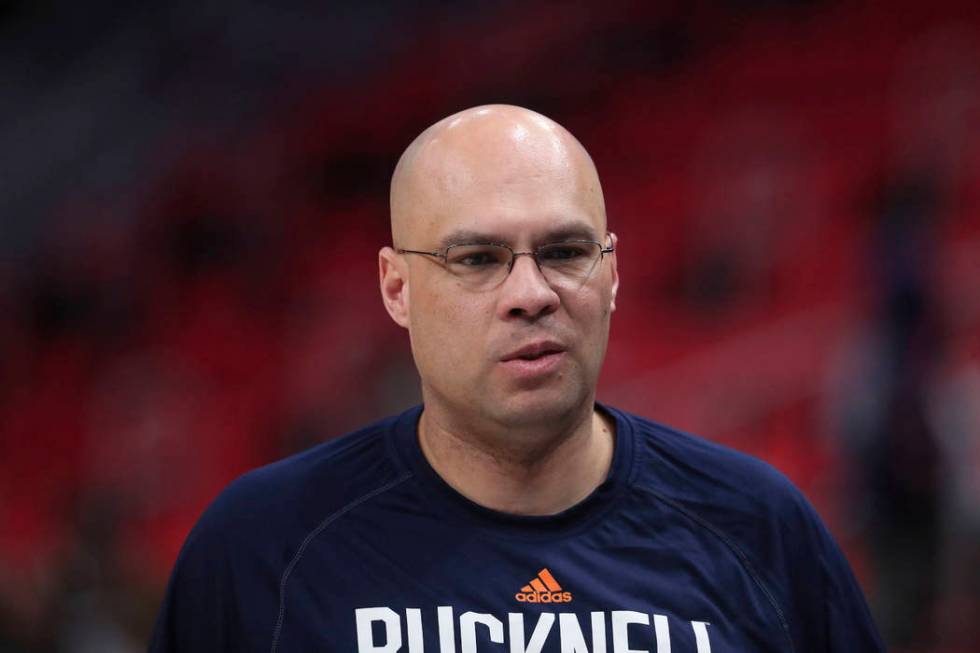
<point>358,546</point>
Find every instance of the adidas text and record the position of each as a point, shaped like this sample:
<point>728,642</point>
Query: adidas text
<point>543,597</point>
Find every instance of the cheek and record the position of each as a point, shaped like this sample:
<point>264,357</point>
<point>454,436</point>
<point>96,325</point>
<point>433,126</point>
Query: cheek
<point>447,336</point>
<point>590,313</point>
<point>589,308</point>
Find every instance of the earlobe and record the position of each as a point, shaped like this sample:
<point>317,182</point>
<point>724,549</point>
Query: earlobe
<point>394,286</point>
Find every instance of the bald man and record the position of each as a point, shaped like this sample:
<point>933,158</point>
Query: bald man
<point>510,511</point>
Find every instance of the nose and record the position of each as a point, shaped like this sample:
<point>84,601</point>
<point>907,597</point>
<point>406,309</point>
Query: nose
<point>525,292</point>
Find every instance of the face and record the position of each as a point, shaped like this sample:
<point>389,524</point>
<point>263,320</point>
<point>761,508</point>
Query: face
<point>526,351</point>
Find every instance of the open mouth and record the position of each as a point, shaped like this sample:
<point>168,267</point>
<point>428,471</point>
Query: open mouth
<point>534,351</point>
<point>537,355</point>
<point>536,360</point>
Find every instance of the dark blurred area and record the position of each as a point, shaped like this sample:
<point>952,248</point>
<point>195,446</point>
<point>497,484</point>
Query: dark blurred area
<point>193,196</point>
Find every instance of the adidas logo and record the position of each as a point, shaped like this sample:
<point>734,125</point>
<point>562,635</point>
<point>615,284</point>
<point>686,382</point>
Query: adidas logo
<point>543,588</point>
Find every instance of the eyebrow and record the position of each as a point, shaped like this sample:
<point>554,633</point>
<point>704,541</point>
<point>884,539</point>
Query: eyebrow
<point>570,231</point>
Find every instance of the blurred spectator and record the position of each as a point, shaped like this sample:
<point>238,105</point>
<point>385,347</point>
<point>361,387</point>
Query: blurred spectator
<point>193,202</point>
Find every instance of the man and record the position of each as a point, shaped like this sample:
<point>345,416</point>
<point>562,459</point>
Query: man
<point>510,512</point>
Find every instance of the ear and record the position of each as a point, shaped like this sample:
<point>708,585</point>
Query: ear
<point>394,285</point>
<point>614,271</point>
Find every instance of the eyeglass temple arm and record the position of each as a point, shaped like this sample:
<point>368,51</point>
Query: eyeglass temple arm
<point>416,251</point>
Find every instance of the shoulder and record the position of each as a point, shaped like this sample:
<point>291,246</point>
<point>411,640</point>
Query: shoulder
<point>747,503</point>
<point>693,471</point>
<point>766,522</point>
<point>224,588</point>
<point>287,499</point>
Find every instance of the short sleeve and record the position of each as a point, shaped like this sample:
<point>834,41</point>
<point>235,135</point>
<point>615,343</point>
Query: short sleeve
<point>841,606</point>
<point>223,594</point>
<point>850,626</point>
<point>197,613</point>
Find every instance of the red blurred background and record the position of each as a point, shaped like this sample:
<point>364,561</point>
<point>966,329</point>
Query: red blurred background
<point>194,195</point>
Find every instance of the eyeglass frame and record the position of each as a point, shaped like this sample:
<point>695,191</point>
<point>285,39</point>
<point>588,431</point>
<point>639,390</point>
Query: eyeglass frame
<point>444,252</point>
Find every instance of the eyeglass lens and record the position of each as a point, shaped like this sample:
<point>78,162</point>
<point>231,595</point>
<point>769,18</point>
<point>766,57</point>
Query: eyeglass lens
<point>485,265</point>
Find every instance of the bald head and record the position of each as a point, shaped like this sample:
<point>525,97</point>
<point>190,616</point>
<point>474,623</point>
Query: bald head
<point>485,153</point>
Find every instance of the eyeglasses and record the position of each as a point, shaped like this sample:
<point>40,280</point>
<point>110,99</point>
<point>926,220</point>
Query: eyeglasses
<point>483,266</point>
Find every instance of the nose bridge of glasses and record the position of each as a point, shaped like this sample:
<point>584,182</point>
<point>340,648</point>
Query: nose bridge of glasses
<point>533,255</point>
<point>537,272</point>
<point>531,283</point>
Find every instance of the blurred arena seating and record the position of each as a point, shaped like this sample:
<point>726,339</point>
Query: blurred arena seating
<point>754,158</point>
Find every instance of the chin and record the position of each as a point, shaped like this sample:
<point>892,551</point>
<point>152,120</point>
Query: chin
<point>531,408</point>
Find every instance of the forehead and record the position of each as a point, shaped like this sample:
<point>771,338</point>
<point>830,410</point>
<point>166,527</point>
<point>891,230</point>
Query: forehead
<point>508,197</point>
<point>515,234</point>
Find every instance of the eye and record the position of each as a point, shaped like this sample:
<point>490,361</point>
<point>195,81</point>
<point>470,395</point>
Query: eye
<point>476,259</point>
<point>476,256</point>
<point>559,252</point>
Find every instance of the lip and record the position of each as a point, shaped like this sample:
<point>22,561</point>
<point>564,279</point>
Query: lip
<point>542,367</point>
<point>539,349</point>
<point>549,356</point>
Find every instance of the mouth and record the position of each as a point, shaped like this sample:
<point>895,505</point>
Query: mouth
<point>534,351</point>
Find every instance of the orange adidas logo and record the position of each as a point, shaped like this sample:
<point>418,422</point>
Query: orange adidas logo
<point>543,588</point>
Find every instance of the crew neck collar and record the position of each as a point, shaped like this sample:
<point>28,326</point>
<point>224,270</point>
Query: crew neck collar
<point>440,496</point>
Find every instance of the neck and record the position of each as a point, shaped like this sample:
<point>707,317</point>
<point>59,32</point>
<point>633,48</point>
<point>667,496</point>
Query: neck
<point>502,472</point>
